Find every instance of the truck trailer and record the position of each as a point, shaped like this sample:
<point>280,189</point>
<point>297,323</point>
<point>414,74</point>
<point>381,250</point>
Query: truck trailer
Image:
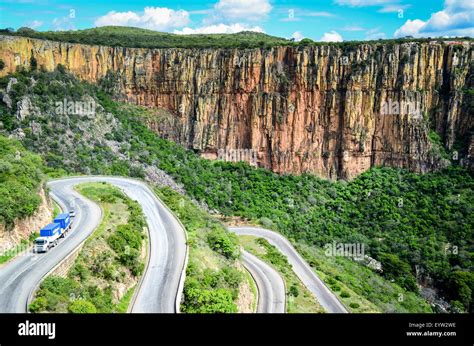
<point>64,220</point>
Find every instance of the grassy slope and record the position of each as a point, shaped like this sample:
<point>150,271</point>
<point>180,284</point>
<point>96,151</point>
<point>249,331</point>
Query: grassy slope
<point>100,270</point>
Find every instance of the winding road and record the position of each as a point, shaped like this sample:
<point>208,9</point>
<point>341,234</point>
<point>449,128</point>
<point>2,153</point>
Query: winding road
<point>161,286</point>
<point>270,285</point>
<point>301,268</point>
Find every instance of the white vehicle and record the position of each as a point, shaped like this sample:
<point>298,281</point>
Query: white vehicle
<point>49,236</point>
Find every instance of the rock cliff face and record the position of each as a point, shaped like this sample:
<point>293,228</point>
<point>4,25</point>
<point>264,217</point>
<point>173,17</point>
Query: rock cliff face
<point>329,110</point>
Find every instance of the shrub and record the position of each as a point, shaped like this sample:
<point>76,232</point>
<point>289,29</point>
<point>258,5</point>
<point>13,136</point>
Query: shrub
<point>345,294</point>
<point>81,306</point>
<point>223,242</point>
<point>209,301</point>
<point>354,305</point>
<point>39,304</point>
<point>294,291</point>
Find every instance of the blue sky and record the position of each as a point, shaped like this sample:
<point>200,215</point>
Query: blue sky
<point>321,20</point>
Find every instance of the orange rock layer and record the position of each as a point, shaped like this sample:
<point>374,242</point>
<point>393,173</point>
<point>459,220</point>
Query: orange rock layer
<point>327,110</point>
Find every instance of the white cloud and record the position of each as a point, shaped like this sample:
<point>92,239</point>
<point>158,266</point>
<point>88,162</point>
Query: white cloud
<point>298,36</point>
<point>410,28</point>
<point>34,24</point>
<point>456,19</point>
<point>374,34</point>
<point>154,18</point>
<point>250,10</point>
<point>331,36</point>
<point>219,29</point>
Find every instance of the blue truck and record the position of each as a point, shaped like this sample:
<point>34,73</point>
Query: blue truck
<point>64,220</point>
<point>48,238</point>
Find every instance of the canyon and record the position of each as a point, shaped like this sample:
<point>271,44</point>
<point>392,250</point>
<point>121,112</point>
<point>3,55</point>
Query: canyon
<point>330,110</point>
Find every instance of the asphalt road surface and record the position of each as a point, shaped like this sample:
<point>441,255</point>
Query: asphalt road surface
<point>270,285</point>
<point>160,287</point>
<point>302,269</point>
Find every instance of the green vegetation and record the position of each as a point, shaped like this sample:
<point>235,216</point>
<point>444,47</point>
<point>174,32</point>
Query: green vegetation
<point>117,36</point>
<point>360,288</point>
<point>422,221</point>
<point>108,266</point>
<point>81,306</point>
<point>212,278</point>
<point>20,181</point>
<point>437,149</point>
<point>143,38</point>
<point>298,298</point>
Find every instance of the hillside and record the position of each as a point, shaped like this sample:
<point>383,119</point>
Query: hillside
<point>418,226</point>
<point>21,174</point>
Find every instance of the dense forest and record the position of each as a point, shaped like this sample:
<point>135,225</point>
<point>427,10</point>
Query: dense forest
<point>117,36</point>
<point>418,226</point>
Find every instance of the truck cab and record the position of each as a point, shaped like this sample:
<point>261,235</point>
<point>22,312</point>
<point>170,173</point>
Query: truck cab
<point>42,244</point>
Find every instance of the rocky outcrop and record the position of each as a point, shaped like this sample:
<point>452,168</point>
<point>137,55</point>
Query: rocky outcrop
<point>334,111</point>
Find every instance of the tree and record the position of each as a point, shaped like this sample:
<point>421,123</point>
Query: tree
<point>398,270</point>
<point>461,286</point>
<point>209,301</point>
<point>223,242</point>
<point>306,42</point>
<point>25,30</point>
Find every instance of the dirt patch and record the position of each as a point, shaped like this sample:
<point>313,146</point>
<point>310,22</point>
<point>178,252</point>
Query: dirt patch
<point>246,300</point>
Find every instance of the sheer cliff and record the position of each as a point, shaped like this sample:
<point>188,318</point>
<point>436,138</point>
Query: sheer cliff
<point>331,110</point>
